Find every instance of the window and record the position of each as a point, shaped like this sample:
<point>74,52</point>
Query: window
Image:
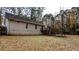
<point>42,27</point>
<point>0,21</point>
<point>4,21</point>
<point>26,25</point>
<point>35,26</point>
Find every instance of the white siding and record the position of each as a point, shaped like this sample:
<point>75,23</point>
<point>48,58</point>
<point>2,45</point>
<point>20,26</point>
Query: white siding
<point>20,28</point>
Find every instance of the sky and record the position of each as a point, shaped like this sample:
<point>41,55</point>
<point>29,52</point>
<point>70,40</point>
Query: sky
<point>54,10</point>
<point>55,6</point>
<point>52,6</point>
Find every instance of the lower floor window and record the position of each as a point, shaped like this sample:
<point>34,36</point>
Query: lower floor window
<point>26,25</point>
<point>35,26</point>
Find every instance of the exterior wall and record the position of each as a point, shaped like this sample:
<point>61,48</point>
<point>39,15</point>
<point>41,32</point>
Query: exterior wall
<point>7,24</point>
<point>20,28</point>
<point>0,19</point>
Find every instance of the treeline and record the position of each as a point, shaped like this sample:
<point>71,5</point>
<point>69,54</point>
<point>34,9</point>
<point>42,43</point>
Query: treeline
<point>66,22</point>
<point>33,13</point>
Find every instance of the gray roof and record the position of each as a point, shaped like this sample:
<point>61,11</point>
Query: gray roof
<point>21,19</point>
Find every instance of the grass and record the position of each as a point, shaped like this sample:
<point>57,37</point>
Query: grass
<point>39,43</point>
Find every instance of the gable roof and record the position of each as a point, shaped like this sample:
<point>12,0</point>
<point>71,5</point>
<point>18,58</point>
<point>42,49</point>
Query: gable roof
<point>17,18</point>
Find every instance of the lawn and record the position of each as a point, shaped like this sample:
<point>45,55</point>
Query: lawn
<point>39,43</point>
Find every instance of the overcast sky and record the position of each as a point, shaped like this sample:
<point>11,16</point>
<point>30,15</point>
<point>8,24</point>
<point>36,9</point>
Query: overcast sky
<point>52,6</point>
<point>54,10</point>
<point>55,6</point>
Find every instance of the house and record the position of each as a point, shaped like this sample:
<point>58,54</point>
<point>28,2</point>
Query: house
<point>21,26</point>
<point>0,18</point>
